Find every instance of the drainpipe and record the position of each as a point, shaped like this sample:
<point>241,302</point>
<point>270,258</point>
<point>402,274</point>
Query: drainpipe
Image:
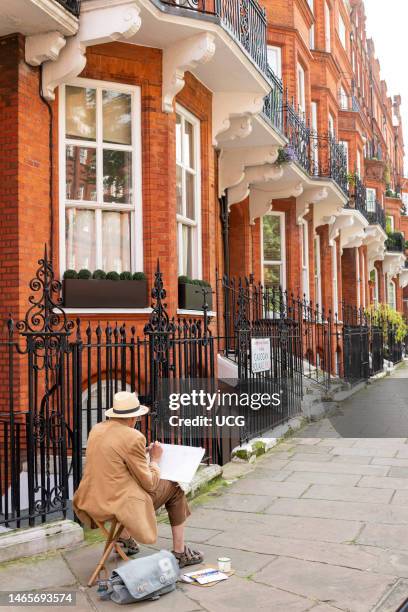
<point>224,214</point>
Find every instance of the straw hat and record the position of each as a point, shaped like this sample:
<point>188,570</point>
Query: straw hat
<point>125,406</point>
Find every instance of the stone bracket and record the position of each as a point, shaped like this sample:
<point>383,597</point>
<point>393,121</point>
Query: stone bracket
<point>232,164</point>
<point>253,175</point>
<point>304,202</point>
<point>98,24</point>
<point>232,115</point>
<point>41,48</point>
<point>180,57</point>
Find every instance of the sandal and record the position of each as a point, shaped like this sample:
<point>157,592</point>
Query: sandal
<point>188,557</point>
<point>129,545</point>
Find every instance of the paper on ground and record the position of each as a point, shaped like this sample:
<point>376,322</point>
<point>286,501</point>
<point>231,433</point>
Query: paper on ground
<point>180,463</point>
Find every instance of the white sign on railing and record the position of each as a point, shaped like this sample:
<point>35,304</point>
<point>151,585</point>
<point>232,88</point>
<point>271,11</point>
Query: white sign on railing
<point>261,355</point>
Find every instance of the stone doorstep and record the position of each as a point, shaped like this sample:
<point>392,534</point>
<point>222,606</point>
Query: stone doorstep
<point>27,542</point>
<point>18,543</point>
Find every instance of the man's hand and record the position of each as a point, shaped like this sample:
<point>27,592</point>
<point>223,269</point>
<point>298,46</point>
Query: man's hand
<point>155,451</point>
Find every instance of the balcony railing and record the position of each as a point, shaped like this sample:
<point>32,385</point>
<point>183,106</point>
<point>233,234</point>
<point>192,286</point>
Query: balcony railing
<point>377,216</point>
<point>245,20</point>
<point>395,242</point>
<point>348,103</point>
<point>273,104</point>
<point>358,196</point>
<point>319,154</point>
<point>73,6</point>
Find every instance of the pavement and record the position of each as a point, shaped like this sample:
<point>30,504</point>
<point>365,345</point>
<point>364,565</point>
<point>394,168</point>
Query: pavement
<point>320,523</point>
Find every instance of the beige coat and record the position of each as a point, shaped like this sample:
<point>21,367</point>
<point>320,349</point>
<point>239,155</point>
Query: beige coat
<point>117,481</point>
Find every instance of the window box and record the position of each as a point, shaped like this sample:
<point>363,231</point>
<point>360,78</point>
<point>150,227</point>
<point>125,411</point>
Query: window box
<point>190,297</point>
<point>93,293</point>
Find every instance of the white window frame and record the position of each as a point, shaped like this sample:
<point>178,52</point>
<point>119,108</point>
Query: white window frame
<point>282,261</point>
<point>363,278</point>
<point>135,207</point>
<point>371,196</point>
<point>197,252</point>
<point>342,31</point>
<point>327,28</point>
<point>317,271</point>
<point>358,163</point>
<point>358,278</point>
<point>312,37</point>
<point>376,287</point>
<point>332,126</point>
<point>345,144</point>
<point>392,226</point>
<point>314,143</point>
<point>343,98</point>
<point>305,259</point>
<point>276,64</point>
<point>335,280</point>
<point>391,283</point>
<point>301,88</point>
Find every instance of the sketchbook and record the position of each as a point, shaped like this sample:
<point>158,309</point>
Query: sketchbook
<point>180,463</point>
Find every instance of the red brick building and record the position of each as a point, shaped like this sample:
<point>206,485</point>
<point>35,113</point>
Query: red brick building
<point>264,145</point>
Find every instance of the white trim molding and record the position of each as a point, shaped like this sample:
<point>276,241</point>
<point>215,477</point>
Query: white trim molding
<point>180,57</point>
<point>98,24</point>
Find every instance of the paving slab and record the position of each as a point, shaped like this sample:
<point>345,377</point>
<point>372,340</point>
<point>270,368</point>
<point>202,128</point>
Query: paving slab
<point>241,502</point>
<point>36,573</point>
<point>177,601</point>
<point>256,486</point>
<point>384,483</point>
<point>241,594</point>
<point>345,588</point>
<point>324,479</point>
<point>266,473</point>
<point>337,468</point>
<point>385,536</point>
<point>311,456</point>
<point>358,460</point>
<point>353,494</point>
<point>199,535</point>
<point>364,452</point>
<point>398,472</point>
<point>394,462</point>
<point>368,513</point>
<point>400,498</point>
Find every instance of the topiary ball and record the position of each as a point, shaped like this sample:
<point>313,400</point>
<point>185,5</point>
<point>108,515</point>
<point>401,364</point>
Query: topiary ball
<point>84,274</point>
<point>184,280</point>
<point>139,276</point>
<point>99,275</point>
<point>126,275</point>
<point>113,276</point>
<point>70,274</point>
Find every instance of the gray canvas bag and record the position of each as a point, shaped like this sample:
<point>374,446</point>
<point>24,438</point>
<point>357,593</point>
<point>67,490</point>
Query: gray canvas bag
<point>145,578</point>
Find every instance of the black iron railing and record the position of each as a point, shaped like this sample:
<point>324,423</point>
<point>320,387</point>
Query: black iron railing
<point>298,135</point>
<point>245,20</point>
<point>395,242</point>
<point>358,196</point>
<point>328,158</point>
<point>377,216</point>
<point>73,6</point>
<point>273,104</point>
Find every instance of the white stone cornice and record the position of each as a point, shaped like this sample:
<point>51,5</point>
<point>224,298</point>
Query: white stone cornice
<point>294,191</point>
<point>180,57</point>
<point>41,48</point>
<point>231,116</point>
<point>393,262</point>
<point>304,201</point>
<point>98,24</point>
<point>254,175</point>
<point>232,163</point>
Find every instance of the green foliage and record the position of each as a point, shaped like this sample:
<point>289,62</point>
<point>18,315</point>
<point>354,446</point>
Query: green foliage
<point>184,280</point>
<point>351,179</point>
<point>70,274</point>
<point>139,276</point>
<point>113,276</point>
<point>84,274</point>
<point>99,275</point>
<point>126,275</point>
<point>381,315</point>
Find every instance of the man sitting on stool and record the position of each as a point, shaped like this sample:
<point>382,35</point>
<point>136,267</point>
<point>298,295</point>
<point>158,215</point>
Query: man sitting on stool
<point>119,482</point>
